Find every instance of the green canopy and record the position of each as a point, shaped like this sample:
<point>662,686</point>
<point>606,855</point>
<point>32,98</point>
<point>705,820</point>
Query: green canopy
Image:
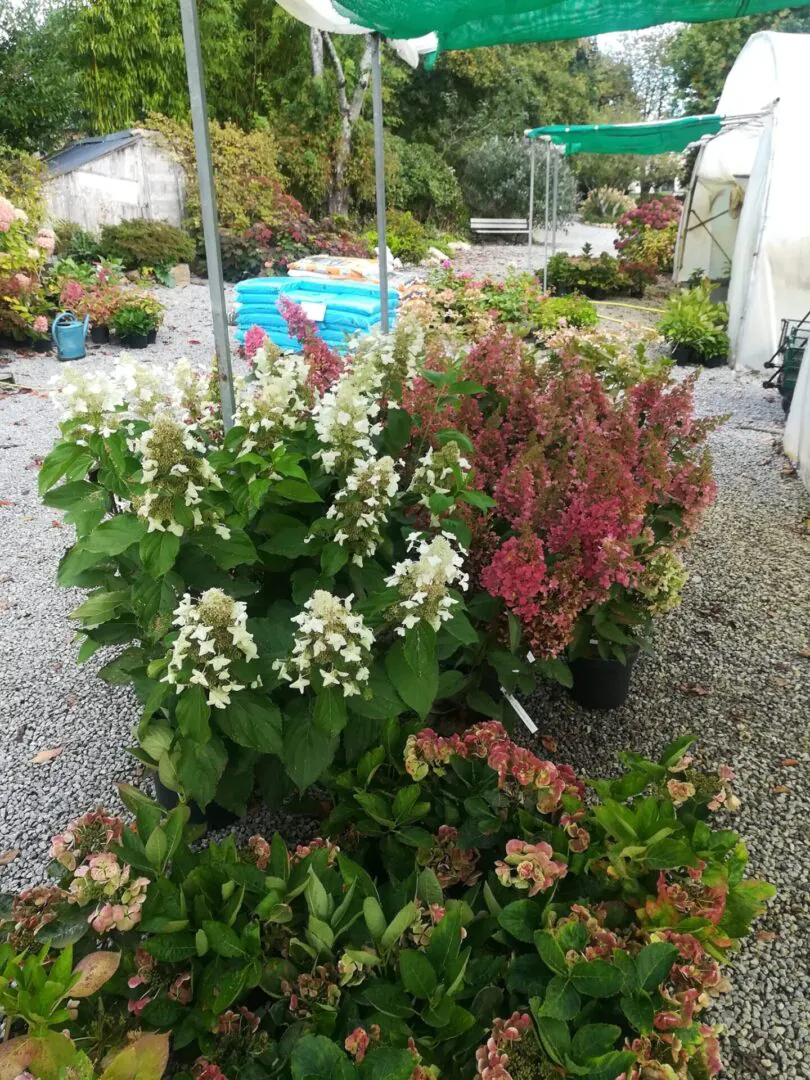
<point>655,137</point>
<point>468,24</point>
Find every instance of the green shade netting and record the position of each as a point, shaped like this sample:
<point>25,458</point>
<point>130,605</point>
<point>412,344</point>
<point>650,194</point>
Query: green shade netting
<point>467,24</point>
<point>659,137</point>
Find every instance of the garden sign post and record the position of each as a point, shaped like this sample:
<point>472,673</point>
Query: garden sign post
<point>530,219</point>
<point>208,205</point>
<point>379,171</point>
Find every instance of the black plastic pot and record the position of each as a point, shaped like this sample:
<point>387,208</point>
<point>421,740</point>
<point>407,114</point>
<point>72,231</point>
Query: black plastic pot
<point>43,345</point>
<point>151,337</point>
<point>685,354</point>
<point>100,335</point>
<point>601,684</point>
<point>214,816</point>
<point>135,341</point>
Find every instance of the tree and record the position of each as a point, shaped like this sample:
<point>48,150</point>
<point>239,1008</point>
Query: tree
<point>349,109</point>
<point>39,91</point>
<point>702,55</point>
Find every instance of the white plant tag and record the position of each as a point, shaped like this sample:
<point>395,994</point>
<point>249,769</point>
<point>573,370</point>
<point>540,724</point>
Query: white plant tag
<point>314,311</point>
<point>521,712</point>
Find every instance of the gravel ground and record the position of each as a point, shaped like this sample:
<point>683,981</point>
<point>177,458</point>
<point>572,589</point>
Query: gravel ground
<point>731,665</point>
<point>497,259</point>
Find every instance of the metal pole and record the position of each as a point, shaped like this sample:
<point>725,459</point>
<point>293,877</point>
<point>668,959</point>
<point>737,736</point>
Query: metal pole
<point>208,205</point>
<point>531,207</point>
<point>379,172</point>
<point>555,202</point>
<point>545,254</point>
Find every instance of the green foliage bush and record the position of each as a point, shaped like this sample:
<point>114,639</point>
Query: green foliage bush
<point>495,181</point>
<point>606,205</point>
<point>140,242</point>
<point>74,242</point>
<point>418,179</point>
<point>406,235</point>
<point>691,319</point>
<point>21,178</point>
<point>463,885</point>
<point>598,276</point>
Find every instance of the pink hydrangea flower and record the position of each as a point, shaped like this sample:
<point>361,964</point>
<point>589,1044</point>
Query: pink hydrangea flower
<point>529,866</point>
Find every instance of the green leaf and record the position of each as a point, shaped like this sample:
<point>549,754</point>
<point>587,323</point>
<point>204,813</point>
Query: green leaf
<point>428,889</point>
<point>561,1002</point>
<point>228,553</point>
<point>193,713</point>
<point>550,952</point>
<point>387,999</point>
<point>654,963</point>
<point>57,463</point>
<point>158,550</point>
<point>222,939</point>
<point>252,721</point>
<point>481,702</point>
<point>374,916</point>
<point>199,767</point>
<point>100,607</point>
<point>451,682</point>
<point>296,490</point>
<point>116,535</point>
<point>640,1012</point>
<point>333,558</point>
<point>307,751</point>
<point>596,978</point>
<point>157,848</point>
<point>447,435</point>
<point>398,925</point>
<point>386,1063</point>
<point>417,692</point>
<point>612,1065</point>
<point>522,919</point>
<point>460,628</point>
<point>144,1059</point>
<point>478,499</point>
<point>460,1021</point>
<point>329,714</point>
<point>317,1058</point>
<point>417,973</point>
<point>397,430</point>
<point>384,702</point>
<point>171,948</point>
<point>445,941</point>
<point>420,650</point>
<point>290,542</point>
<point>675,751</point>
<point>555,1037</point>
<point>594,1041</point>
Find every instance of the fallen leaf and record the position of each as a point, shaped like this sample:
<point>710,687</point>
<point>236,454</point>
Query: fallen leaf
<point>9,856</point>
<point>766,935</point>
<point>194,341</point>
<point>47,755</point>
<point>57,524</point>
<point>549,743</point>
<point>694,688</point>
<point>781,790</point>
<point>789,762</point>
<point>6,502</point>
<point>805,653</point>
<point>72,699</point>
<point>34,463</point>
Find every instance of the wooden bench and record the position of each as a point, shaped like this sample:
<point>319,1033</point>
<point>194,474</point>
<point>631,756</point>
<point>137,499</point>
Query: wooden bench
<point>500,226</point>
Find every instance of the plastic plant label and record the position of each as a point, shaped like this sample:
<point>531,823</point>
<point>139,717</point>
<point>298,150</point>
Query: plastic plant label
<point>314,311</point>
<point>520,711</point>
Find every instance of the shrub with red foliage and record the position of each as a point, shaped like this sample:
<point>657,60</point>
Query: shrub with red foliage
<point>587,486</point>
<point>324,364</point>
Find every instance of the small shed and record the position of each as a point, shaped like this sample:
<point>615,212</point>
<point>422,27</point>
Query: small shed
<point>106,179</point>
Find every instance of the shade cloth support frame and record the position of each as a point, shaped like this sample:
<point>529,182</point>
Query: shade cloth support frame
<point>545,238</point>
<point>379,176</point>
<point>208,206</point>
<point>530,217</point>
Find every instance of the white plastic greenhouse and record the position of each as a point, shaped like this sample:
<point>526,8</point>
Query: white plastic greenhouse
<point>747,208</point>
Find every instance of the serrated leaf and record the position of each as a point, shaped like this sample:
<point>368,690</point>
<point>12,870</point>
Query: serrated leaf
<point>158,551</point>
<point>94,970</point>
<point>417,973</point>
<point>654,963</point>
<point>193,713</point>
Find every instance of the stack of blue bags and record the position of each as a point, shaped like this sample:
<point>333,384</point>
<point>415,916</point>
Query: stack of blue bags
<point>350,307</point>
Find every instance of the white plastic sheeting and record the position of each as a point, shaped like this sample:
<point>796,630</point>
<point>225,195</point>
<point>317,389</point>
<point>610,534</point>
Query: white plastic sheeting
<point>323,15</point>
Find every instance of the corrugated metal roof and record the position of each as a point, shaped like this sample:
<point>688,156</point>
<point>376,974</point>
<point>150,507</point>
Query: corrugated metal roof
<point>83,151</point>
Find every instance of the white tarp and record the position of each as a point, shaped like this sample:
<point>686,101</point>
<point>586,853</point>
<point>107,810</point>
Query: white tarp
<point>322,15</point>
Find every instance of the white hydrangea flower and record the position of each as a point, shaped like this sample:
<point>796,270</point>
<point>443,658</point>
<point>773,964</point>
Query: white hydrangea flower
<point>95,398</point>
<point>438,473</point>
<point>276,401</point>
<point>376,357</point>
<point>213,635</point>
<point>346,422</point>
<point>195,391</point>
<point>361,506</point>
<point>332,644</point>
<point>173,463</point>
<point>423,582</point>
<point>144,388</point>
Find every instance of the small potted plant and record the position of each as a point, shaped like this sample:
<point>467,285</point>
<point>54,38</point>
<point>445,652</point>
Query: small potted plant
<point>40,334</point>
<point>101,302</point>
<point>133,325</point>
<point>696,327</point>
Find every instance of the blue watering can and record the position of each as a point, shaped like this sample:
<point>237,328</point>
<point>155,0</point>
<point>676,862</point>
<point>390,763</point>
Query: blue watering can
<point>69,335</point>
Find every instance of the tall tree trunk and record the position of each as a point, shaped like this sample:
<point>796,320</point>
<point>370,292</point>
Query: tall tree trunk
<point>350,110</point>
<point>316,52</point>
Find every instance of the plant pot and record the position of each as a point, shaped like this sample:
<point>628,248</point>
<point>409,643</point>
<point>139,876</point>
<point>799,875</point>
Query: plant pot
<point>42,345</point>
<point>135,341</point>
<point>100,335</point>
<point>685,354</point>
<point>601,684</point>
<point>151,337</point>
<point>714,361</point>
<point>214,815</point>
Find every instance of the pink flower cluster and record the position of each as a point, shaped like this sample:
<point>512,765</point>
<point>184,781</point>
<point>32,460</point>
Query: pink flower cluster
<point>259,849</point>
<point>90,834</point>
<point>492,1060</point>
<point>529,866</point>
<point>358,1042</point>
<point>324,364</point>
<point>451,864</point>
<point>519,771</point>
<point>242,1020</point>
<point>106,882</point>
<point>8,214</point>
<point>254,339</point>
<point>685,900</point>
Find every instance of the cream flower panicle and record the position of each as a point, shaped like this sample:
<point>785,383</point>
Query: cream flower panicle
<point>439,472</point>
<point>275,401</point>
<point>361,506</point>
<point>423,582</point>
<point>345,422</point>
<point>332,646</point>
<point>213,638</point>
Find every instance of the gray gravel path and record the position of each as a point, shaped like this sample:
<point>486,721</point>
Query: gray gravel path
<point>497,259</point>
<point>739,636</point>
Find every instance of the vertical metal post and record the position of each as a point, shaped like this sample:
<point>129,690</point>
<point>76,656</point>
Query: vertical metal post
<point>208,205</point>
<point>531,207</point>
<point>545,253</point>
<point>555,202</point>
<point>379,173</point>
